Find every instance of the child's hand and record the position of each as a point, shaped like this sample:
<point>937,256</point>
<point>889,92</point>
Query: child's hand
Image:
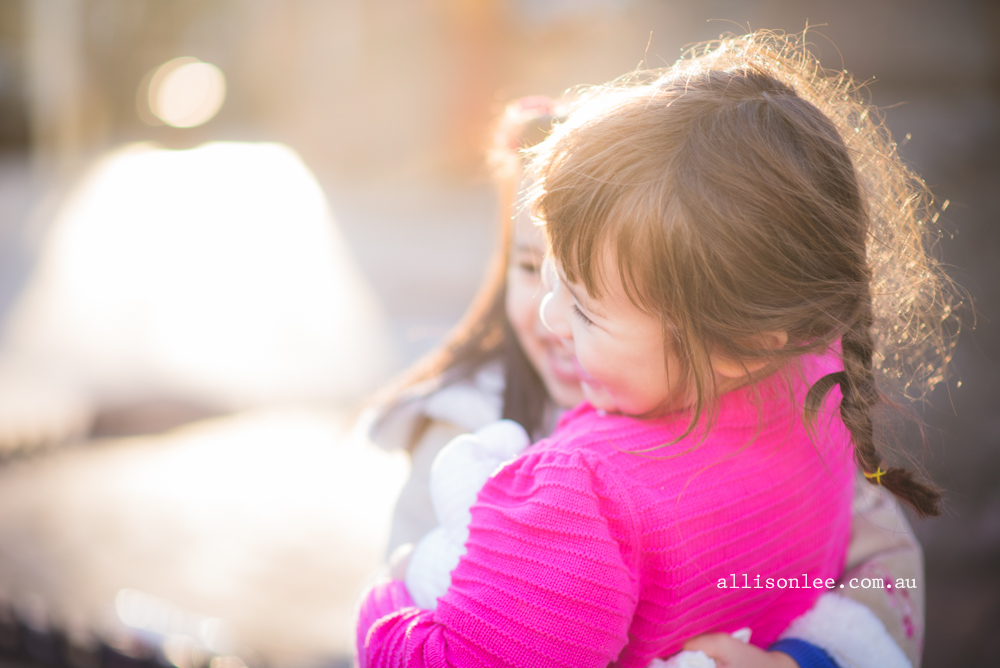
<point>729,652</point>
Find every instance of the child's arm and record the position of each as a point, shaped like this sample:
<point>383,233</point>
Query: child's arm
<point>854,641</point>
<point>544,581</point>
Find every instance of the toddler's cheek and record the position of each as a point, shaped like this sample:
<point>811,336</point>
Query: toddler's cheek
<point>597,395</point>
<point>583,375</point>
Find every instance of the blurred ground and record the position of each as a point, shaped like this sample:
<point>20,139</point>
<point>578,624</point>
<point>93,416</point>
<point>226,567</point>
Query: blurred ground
<point>239,518</point>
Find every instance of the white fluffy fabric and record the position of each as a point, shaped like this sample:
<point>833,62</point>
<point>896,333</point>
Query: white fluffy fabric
<point>460,470</point>
<point>695,658</point>
<point>849,632</point>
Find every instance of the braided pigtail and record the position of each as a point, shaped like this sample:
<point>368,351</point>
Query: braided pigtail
<point>746,192</point>
<point>857,382</point>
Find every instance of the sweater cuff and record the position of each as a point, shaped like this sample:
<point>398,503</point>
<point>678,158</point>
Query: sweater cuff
<point>803,653</point>
<point>381,600</point>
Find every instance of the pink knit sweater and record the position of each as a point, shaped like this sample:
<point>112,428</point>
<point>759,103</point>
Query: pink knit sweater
<point>584,552</point>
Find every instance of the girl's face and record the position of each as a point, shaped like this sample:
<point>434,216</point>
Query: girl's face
<point>548,353</point>
<point>623,364</point>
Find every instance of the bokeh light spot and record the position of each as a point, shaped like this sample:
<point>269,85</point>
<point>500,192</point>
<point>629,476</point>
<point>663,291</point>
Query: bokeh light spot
<point>185,92</point>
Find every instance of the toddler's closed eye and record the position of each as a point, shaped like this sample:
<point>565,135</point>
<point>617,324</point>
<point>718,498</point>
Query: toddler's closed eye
<point>580,314</point>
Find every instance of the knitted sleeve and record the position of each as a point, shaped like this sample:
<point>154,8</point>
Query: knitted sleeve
<point>548,578</point>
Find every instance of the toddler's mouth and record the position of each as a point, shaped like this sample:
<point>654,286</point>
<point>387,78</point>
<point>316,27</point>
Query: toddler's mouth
<point>563,366</point>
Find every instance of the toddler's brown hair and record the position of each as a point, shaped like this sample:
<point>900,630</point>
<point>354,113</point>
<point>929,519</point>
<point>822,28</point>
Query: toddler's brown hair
<point>743,191</point>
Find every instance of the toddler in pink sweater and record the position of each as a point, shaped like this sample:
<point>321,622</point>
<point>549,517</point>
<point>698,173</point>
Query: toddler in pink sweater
<point>710,229</point>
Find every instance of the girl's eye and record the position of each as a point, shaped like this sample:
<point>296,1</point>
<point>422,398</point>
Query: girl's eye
<point>528,267</point>
<point>581,316</point>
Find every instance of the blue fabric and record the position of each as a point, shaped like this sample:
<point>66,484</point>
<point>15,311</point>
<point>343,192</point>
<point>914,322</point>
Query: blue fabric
<point>803,653</point>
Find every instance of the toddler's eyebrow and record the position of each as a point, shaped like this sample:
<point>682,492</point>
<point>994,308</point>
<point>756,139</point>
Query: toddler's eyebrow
<point>586,304</point>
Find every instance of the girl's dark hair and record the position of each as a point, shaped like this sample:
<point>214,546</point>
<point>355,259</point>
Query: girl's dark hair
<point>745,191</point>
<point>484,333</point>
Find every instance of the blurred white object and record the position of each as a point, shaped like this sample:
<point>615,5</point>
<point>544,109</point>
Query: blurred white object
<point>849,632</point>
<point>215,274</point>
<point>459,471</point>
<point>36,413</point>
<point>696,658</point>
<point>685,659</point>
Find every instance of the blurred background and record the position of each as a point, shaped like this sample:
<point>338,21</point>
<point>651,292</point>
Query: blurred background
<point>296,195</point>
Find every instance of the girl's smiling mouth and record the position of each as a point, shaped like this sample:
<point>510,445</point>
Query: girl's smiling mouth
<point>562,364</point>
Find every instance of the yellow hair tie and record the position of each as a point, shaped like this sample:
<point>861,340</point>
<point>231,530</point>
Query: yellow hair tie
<point>877,475</point>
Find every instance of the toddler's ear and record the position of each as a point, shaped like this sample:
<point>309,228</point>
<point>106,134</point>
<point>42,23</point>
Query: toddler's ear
<point>728,367</point>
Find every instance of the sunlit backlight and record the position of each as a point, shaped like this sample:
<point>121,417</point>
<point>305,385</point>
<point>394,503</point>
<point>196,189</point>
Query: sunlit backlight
<point>185,92</point>
<point>215,273</point>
